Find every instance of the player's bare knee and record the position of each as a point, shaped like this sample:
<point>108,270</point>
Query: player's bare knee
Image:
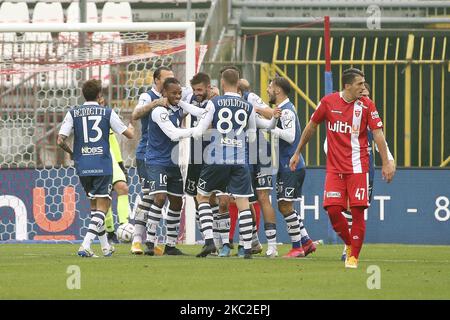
<point>160,199</point>
<point>223,204</point>
<point>121,188</point>
<point>103,204</point>
<point>175,203</point>
<point>285,207</point>
<point>202,198</point>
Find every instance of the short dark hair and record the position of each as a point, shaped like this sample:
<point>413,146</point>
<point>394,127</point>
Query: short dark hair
<point>170,81</point>
<point>231,77</point>
<point>349,75</point>
<point>282,83</point>
<point>201,77</point>
<point>91,89</point>
<point>157,72</point>
<point>230,68</point>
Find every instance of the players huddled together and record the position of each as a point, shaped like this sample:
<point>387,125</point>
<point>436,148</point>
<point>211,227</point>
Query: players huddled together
<point>238,145</point>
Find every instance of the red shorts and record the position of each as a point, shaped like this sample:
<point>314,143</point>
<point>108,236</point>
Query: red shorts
<point>346,189</point>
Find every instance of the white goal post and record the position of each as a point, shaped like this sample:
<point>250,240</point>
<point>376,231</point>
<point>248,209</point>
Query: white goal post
<point>9,66</point>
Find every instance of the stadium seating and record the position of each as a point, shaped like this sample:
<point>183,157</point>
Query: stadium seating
<point>40,44</point>
<point>106,44</point>
<point>9,45</point>
<point>73,16</point>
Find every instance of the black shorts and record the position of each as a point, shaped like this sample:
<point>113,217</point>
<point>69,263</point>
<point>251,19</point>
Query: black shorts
<point>289,185</point>
<point>193,174</point>
<point>260,181</point>
<point>97,186</point>
<point>142,173</point>
<point>165,179</point>
<point>233,179</point>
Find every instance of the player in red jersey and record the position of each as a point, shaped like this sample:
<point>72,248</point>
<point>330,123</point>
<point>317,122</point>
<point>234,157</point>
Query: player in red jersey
<point>348,115</point>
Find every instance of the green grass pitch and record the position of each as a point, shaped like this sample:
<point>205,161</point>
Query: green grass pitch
<point>39,271</point>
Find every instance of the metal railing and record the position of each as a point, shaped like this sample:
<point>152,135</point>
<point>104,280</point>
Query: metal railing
<point>410,79</point>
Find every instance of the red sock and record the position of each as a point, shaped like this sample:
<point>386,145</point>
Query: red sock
<point>358,230</point>
<point>339,223</point>
<point>257,208</point>
<point>233,211</point>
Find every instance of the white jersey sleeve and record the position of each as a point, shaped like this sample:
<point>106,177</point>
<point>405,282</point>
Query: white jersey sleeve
<point>251,131</point>
<point>262,123</point>
<point>186,93</point>
<point>67,125</point>
<point>190,108</point>
<point>287,133</point>
<point>256,101</point>
<point>161,117</point>
<point>206,119</point>
<point>144,99</point>
<point>116,124</point>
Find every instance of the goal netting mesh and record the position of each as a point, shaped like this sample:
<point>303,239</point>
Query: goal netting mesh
<point>41,74</point>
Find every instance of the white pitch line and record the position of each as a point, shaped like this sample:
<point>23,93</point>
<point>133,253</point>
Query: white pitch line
<point>405,260</point>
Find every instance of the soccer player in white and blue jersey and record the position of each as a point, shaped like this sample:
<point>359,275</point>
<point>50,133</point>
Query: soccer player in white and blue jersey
<point>262,169</point>
<point>147,101</point>
<point>226,164</point>
<point>289,184</point>
<point>195,103</point>
<point>161,163</point>
<point>91,124</point>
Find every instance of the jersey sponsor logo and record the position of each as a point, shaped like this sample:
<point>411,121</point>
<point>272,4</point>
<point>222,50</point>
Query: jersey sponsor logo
<point>333,194</point>
<point>231,142</point>
<point>339,126</point>
<point>152,185</point>
<point>91,151</point>
<point>374,114</point>
<point>91,171</point>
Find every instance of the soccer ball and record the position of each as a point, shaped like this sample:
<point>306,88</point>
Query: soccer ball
<point>125,232</point>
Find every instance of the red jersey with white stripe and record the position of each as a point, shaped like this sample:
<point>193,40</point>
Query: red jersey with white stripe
<point>347,124</point>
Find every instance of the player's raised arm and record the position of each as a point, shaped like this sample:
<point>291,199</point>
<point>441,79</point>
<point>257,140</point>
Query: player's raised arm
<point>287,132</point>
<point>142,110</point>
<point>388,168</point>
<point>161,116</point>
<point>252,127</point>
<point>205,120</point>
<point>119,127</point>
<point>190,108</point>
<point>262,123</point>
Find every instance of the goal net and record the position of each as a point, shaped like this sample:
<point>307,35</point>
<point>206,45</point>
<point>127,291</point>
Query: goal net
<point>42,70</point>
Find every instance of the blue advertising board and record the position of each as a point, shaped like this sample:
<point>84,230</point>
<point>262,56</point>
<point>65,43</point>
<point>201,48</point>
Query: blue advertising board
<point>413,209</point>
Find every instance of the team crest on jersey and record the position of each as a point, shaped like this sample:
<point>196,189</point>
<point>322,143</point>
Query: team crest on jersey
<point>357,113</point>
<point>164,116</point>
<point>201,184</point>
